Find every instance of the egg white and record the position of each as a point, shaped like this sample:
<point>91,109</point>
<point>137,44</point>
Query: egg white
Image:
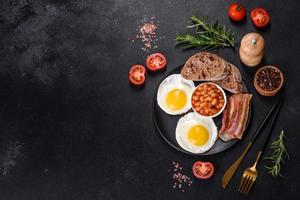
<point>172,82</point>
<point>188,121</point>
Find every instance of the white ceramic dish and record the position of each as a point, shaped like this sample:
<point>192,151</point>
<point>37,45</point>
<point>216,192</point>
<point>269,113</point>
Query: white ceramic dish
<point>224,95</point>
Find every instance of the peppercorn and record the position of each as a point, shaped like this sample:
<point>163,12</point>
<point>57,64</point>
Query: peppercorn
<point>269,79</point>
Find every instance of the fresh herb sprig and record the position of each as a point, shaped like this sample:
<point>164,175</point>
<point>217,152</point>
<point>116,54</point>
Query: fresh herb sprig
<point>277,157</point>
<point>206,35</point>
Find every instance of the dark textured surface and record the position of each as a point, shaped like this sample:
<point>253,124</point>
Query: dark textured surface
<point>71,127</point>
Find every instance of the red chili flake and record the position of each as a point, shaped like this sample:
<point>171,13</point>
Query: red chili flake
<point>180,180</point>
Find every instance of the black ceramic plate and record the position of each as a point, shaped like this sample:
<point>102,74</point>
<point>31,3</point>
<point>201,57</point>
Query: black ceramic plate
<point>166,124</point>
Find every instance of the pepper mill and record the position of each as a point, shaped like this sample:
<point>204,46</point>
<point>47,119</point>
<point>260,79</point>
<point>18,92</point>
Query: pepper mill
<point>252,49</point>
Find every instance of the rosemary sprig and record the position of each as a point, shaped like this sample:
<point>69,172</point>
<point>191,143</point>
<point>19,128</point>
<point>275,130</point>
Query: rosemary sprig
<point>206,35</point>
<point>277,157</point>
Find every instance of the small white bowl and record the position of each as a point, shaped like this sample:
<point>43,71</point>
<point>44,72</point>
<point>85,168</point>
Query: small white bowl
<point>224,95</point>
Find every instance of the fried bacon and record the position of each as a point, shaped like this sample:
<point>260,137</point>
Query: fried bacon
<point>235,117</point>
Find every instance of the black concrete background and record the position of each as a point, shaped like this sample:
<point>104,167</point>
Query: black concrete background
<point>71,126</point>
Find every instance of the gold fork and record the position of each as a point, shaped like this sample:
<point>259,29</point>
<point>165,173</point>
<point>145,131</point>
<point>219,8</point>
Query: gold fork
<point>249,177</point>
<point>250,174</point>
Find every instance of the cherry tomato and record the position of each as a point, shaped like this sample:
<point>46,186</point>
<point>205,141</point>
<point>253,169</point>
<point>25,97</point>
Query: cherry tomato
<point>260,17</point>
<point>203,170</point>
<point>137,74</point>
<point>236,12</point>
<point>156,61</point>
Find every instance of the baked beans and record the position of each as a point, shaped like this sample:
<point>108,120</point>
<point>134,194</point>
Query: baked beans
<point>207,99</point>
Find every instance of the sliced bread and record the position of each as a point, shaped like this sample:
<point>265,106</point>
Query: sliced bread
<point>205,66</point>
<point>233,81</point>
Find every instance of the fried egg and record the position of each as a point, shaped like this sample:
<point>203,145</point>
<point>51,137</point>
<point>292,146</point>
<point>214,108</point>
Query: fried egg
<point>196,134</point>
<point>174,94</point>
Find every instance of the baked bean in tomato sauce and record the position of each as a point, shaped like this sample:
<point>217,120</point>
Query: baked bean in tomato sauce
<point>207,99</point>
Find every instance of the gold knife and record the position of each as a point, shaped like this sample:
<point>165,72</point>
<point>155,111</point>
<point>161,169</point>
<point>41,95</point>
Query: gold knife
<point>232,169</point>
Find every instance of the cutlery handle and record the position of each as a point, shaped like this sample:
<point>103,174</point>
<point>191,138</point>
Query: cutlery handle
<point>257,159</point>
<point>232,169</point>
<point>266,139</point>
<point>258,130</point>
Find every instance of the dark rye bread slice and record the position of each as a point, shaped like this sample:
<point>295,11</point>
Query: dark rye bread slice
<point>205,66</point>
<point>233,81</point>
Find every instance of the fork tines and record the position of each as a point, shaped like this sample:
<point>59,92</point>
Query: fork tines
<point>246,184</point>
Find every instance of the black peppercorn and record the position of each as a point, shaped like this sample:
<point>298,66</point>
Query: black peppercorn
<point>269,79</point>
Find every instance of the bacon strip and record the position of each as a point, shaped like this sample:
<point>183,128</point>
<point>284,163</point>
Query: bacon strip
<point>235,117</point>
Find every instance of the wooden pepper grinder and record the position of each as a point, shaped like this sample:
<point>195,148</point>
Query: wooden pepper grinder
<point>252,49</point>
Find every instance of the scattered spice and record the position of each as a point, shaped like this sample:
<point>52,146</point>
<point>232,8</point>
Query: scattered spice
<point>269,79</point>
<point>146,32</point>
<point>180,180</point>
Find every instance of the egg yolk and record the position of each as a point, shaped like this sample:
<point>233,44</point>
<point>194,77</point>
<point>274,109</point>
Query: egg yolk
<point>176,99</point>
<point>198,135</point>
